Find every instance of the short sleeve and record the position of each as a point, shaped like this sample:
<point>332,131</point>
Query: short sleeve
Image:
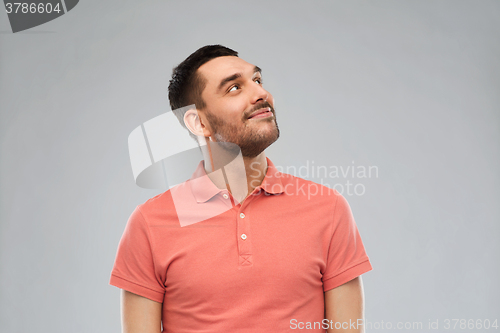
<point>134,267</point>
<point>347,258</point>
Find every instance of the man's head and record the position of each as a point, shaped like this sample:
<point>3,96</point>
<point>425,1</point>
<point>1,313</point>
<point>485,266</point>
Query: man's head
<point>231,104</point>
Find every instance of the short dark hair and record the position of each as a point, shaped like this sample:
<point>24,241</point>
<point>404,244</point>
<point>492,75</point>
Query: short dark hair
<point>187,84</point>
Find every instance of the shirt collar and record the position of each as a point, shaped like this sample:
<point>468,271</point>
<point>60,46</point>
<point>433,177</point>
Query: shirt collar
<point>272,181</point>
<point>204,189</point>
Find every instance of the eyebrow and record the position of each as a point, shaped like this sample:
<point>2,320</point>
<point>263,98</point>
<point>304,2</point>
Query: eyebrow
<point>233,77</point>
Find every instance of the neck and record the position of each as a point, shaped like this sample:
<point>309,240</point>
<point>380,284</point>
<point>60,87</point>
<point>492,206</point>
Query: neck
<point>230,170</point>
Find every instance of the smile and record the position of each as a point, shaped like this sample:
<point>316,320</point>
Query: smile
<point>262,113</point>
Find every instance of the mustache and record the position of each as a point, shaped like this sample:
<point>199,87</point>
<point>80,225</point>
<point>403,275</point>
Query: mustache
<point>261,105</point>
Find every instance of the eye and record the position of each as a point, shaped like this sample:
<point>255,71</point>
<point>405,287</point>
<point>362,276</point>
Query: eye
<point>232,88</point>
<point>258,80</point>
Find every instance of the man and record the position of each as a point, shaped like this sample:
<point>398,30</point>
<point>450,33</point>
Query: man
<point>270,253</point>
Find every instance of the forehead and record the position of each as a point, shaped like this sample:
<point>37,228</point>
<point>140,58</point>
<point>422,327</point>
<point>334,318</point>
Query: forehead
<point>219,68</point>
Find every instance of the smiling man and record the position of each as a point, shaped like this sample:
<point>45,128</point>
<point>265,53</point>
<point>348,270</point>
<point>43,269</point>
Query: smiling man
<point>263,251</point>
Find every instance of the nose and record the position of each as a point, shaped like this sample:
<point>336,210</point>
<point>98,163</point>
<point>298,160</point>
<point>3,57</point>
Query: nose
<point>259,94</point>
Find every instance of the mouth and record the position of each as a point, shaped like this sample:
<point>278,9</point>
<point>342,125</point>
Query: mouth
<point>261,113</point>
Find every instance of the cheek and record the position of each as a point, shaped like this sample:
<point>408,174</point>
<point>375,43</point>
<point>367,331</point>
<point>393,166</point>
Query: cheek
<point>235,110</point>
<point>230,114</point>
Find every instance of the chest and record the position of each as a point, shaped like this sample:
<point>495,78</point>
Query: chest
<point>244,250</point>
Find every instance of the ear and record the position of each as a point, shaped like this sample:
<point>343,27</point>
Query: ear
<point>195,123</point>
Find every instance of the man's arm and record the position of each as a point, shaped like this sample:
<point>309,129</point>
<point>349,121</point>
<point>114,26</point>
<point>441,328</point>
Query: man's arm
<point>140,314</point>
<point>345,305</point>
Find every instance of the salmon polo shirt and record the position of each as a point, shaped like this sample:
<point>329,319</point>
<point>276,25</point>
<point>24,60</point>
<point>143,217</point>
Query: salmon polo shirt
<point>257,266</point>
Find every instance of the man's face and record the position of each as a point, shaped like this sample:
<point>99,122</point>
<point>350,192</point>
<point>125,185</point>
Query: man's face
<point>238,109</point>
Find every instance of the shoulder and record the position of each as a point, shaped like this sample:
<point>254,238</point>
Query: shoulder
<point>157,208</point>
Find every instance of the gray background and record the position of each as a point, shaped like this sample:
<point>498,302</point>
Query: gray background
<point>411,87</point>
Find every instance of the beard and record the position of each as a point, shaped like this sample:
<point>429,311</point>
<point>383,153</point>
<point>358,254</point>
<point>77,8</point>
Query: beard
<point>252,137</point>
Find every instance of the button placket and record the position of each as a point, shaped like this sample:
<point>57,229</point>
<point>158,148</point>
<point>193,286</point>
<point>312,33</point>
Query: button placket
<point>228,199</point>
<point>244,241</point>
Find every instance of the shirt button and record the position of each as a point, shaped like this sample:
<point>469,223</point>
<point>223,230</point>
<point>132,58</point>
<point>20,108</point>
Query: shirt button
<point>243,236</point>
<point>242,215</point>
<point>225,196</point>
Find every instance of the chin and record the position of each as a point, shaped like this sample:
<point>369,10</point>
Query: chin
<point>258,145</point>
